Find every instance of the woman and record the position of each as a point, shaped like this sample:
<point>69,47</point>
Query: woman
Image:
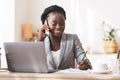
<point>62,49</point>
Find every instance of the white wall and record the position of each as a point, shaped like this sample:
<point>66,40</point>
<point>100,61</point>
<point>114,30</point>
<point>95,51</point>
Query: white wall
<point>21,17</point>
<point>7,20</point>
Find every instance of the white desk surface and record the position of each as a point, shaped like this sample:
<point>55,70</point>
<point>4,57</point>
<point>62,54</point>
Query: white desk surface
<point>57,76</point>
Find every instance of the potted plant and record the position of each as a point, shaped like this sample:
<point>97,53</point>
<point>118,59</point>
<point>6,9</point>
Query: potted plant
<point>110,45</point>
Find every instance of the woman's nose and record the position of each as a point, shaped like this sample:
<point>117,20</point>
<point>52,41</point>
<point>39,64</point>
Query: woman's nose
<point>58,26</point>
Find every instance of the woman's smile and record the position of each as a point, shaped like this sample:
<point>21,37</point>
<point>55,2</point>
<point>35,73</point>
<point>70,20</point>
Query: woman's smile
<point>58,32</point>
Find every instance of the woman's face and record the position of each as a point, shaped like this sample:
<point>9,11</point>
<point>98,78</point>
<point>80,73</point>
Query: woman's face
<point>56,23</point>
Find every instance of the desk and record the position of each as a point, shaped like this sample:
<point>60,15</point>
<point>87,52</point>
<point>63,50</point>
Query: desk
<point>56,76</point>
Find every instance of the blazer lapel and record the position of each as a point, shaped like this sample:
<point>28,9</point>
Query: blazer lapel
<point>62,48</point>
<point>48,53</point>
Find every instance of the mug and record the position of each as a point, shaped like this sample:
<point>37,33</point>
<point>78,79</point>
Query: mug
<point>100,67</point>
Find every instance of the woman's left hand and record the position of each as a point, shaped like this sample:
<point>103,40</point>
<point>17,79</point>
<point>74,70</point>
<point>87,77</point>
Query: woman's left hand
<point>83,65</point>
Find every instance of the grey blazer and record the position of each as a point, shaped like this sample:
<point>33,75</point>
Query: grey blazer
<point>70,49</point>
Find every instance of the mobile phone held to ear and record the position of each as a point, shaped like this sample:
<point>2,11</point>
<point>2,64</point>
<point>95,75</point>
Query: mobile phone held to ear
<point>46,23</point>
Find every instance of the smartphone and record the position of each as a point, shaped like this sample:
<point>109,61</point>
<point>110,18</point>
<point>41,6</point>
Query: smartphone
<point>47,22</point>
<point>47,32</point>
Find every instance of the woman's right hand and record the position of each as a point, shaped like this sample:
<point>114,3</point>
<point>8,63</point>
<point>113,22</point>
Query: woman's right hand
<point>42,35</point>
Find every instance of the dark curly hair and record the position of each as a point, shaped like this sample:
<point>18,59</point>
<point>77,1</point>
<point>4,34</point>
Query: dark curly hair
<point>53,8</point>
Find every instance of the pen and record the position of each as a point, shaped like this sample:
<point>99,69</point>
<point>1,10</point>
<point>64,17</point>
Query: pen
<point>84,55</point>
<point>118,54</point>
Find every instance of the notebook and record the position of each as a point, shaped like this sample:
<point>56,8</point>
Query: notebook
<point>29,57</point>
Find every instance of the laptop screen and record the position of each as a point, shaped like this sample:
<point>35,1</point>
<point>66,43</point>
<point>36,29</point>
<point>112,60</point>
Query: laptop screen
<point>26,57</point>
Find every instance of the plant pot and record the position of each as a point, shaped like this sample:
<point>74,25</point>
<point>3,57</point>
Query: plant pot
<point>110,46</point>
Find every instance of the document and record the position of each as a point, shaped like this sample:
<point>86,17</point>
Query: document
<point>73,70</point>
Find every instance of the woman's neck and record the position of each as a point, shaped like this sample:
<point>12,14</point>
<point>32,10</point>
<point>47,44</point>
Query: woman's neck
<point>54,42</point>
<point>54,38</point>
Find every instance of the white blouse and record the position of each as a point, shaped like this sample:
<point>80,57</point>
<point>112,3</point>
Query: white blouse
<point>56,56</point>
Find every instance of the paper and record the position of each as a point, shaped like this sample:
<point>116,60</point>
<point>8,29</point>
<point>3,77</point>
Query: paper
<point>73,70</point>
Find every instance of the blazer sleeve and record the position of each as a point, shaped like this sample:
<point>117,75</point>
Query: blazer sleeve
<point>78,49</point>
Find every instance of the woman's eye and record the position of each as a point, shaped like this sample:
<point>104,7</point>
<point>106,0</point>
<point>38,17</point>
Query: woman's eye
<point>53,24</point>
<point>60,23</point>
<point>63,23</point>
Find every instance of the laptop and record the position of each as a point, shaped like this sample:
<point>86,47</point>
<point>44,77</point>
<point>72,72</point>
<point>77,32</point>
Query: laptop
<point>29,57</point>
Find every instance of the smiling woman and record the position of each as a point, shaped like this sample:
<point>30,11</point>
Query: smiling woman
<point>62,49</point>
<point>83,18</point>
